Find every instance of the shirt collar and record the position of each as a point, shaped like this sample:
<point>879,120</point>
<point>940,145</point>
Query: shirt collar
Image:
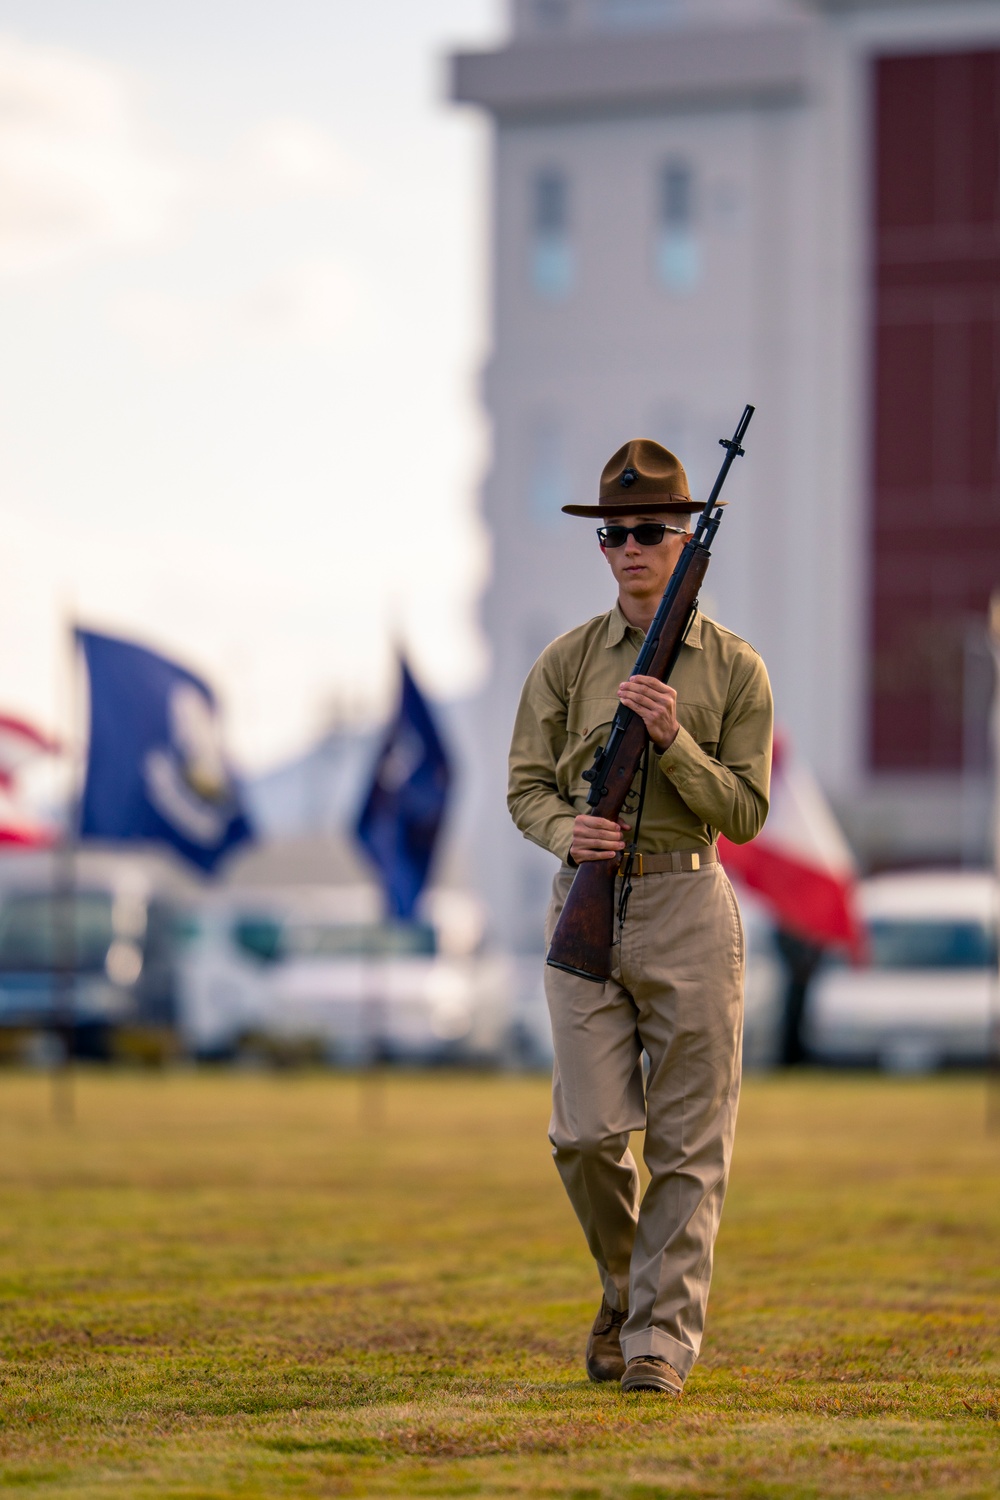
<point>618,627</point>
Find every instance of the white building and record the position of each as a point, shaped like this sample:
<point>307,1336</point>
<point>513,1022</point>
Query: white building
<point>699,203</point>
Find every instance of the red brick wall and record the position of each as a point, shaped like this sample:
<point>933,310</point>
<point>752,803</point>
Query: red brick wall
<point>936,458</point>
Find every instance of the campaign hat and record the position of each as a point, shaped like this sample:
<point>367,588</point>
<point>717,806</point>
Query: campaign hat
<point>641,477</point>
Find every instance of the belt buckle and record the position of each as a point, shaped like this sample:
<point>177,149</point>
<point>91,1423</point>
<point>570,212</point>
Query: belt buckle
<point>639,858</point>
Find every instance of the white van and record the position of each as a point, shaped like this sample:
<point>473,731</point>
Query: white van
<point>926,994</point>
<point>265,973</point>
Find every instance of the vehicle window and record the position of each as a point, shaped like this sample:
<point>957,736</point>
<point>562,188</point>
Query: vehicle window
<point>41,932</point>
<point>185,928</point>
<point>361,940</point>
<point>931,945</point>
<point>260,937</point>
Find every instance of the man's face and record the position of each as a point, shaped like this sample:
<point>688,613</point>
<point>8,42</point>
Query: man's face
<point>644,572</point>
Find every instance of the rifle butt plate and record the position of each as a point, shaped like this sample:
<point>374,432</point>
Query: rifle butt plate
<point>580,973</point>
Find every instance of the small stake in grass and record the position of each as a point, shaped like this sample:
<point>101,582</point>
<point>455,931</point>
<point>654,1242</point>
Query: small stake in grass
<point>993,1044</point>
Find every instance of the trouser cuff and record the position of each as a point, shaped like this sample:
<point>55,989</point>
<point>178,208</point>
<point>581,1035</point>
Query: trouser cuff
<point>655,1341</point>
<point>615,1296</point>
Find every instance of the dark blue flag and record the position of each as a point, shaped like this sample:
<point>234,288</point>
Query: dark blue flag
<point>156,768</point>
<point>401,817</point>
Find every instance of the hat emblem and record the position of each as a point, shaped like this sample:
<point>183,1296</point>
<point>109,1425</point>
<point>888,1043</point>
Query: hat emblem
<point>644,474</point>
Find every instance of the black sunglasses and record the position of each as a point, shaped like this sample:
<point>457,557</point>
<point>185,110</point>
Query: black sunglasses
<point>647,534</point>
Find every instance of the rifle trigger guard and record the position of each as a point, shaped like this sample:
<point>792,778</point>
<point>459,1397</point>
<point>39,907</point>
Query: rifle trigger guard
<point>591,773</point>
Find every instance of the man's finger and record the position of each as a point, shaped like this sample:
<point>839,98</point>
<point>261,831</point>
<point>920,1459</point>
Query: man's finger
<point>651,705</point>
<point>646,696</point>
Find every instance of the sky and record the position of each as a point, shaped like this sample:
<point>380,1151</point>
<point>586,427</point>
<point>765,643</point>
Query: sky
<point>242,313</point>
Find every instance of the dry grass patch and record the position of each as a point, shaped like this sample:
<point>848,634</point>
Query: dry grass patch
<point>220,1285</point>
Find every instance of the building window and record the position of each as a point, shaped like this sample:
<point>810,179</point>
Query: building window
<point>639,15</point>
<point>548,476</point>
<point>552,267</point>
<point>550,15</point>
<point>678,252</point>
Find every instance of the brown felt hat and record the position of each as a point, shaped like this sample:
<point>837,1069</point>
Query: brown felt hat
<point>644,477</point>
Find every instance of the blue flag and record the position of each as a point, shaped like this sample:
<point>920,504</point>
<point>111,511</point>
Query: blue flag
<point>401,818</point>
<point>156,768</point>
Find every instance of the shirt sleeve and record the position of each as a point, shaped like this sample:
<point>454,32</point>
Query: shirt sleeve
<point>730,793</point>
<point>539,737</point>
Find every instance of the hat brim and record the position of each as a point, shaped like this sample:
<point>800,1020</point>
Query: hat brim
<point>638,507</point>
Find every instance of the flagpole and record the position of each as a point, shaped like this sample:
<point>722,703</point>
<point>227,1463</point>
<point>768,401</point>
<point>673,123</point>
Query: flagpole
<point>372,1094</point>
<point>64,887</point>
<point>400,819</point>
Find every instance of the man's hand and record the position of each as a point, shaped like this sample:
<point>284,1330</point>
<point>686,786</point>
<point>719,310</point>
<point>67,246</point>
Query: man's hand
<point>596,838</point>
<point>656,705</point>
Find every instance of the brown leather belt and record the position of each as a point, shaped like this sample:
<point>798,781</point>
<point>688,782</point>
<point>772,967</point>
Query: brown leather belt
<point>676,863</point>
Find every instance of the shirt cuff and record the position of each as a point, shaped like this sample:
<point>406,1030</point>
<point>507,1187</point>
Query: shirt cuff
<point>564,837</point>
<point>684,754</point>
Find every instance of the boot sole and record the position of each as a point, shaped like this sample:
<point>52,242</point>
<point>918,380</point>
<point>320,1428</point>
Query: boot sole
<point>650,1383</point>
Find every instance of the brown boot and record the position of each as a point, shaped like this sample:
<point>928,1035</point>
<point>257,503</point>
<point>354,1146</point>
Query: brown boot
<point>605,1360</point>
<point>648,1373</point>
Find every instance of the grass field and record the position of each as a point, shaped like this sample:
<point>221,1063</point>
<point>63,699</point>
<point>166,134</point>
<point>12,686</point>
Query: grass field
<point>312,1285</point>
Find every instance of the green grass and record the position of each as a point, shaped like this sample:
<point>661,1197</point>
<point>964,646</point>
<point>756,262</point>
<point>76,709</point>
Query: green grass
<point>234,1285</point>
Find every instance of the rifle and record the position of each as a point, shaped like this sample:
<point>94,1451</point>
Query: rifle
<point>582,941</point>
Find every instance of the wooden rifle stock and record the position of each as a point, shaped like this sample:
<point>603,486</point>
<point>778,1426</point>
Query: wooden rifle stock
<point>584,935</point>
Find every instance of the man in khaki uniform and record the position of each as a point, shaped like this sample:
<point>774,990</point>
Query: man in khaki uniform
<point>676,989</point>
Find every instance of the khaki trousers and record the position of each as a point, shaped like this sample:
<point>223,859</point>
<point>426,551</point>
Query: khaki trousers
<point>676,992</point>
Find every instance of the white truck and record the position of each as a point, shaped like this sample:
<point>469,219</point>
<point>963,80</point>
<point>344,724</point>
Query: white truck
<point>926,994</point>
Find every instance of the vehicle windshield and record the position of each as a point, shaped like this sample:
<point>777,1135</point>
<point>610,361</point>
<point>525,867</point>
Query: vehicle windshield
<point>360,940</point>
<point>41,932</point>
<point>942,944</point>
<point>269,941</point>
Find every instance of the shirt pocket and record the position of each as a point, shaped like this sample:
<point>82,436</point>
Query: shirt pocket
<point>588,723</point>
<point>587,717</point>
<point>703,724</point>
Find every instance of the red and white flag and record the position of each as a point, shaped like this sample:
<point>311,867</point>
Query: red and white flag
<point>800,863</point>
<point>20,743</point>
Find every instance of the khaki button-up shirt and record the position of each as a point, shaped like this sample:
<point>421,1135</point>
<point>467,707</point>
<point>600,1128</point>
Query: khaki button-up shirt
<point>714,777</point>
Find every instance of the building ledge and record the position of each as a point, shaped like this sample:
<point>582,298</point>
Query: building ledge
<point>851,5</point>
<point>762,64</point>
<point>898,820</point>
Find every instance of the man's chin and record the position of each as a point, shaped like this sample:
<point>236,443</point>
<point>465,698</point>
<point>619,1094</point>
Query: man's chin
<point>642,588</point>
